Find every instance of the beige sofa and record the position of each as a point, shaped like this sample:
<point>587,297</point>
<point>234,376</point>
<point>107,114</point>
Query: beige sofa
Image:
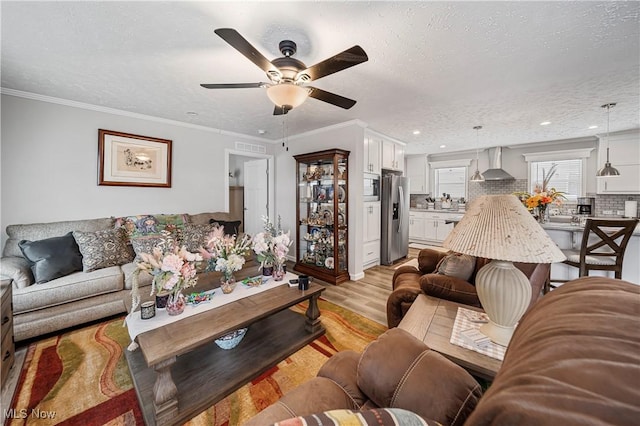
<point>76,298</point>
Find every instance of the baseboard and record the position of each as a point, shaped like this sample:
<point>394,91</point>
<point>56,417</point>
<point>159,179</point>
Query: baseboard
<point>356,277</point>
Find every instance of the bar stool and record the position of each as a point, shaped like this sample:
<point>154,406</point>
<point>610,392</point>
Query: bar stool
<point>604,242</point>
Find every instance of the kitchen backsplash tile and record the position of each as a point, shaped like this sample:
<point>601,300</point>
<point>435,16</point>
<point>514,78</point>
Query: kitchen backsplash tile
<point>491,187</point>
<point>613,203</point>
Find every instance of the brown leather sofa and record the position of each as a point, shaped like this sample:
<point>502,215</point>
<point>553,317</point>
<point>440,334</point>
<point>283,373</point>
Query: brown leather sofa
<point>574,359</point>
<point>350,380</point>
<point>408,282</point>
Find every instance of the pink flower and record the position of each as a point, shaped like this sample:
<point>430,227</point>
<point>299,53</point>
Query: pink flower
<point>172,263</point>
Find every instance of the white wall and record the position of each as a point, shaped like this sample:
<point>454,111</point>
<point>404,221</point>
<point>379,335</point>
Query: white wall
<point>49,165</point>
<point>513,161</point>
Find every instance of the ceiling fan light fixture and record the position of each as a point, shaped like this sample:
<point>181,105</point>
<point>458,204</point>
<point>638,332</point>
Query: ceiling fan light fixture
<point>287,94</point>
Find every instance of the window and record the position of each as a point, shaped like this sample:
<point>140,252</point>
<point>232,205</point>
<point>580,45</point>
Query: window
<point>567,178</point>
<point>570,172</point>
<point>452,181</point>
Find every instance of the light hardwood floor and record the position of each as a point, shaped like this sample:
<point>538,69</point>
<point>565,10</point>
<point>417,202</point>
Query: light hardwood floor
<point>368,296</point>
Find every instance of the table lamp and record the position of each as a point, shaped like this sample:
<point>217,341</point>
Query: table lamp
<point>500,228</point>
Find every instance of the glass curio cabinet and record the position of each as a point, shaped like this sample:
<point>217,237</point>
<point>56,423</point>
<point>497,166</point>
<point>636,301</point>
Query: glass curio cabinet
<point>322,214</point>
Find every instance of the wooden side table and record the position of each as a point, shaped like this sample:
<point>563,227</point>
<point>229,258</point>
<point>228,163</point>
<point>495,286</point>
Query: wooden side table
<point>6,320</point>
<point>431,320</point>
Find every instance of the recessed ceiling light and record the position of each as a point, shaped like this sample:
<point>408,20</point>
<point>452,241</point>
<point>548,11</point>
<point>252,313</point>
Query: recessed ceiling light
<point>261,132</point>
<point>416,132</point>
<point>545,123</point>
<point>443,146</point>
<point>593,127</point>
<point>191,113</point>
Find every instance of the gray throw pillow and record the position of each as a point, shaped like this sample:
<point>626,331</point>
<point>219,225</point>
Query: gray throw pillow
<point>230,227</point>
<point>52,258</point>
<point>102,249</point>
<point>457,265</point>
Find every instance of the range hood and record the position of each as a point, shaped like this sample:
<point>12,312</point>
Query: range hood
<point>496,172</point>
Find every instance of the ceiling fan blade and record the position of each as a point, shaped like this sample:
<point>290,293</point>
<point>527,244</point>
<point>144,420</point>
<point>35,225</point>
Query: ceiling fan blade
<point>281,110</point>
<point>238,42</point>
<point>234,85</point>
<point>350,57</point>
<point>331,98</point>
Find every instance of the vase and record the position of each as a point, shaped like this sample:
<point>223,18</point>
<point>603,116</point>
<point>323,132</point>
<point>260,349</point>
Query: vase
<point>175,303</point>
<point>278,272</point>
<point>267,270</point>
<point>161,299</point>
<point>227,282</point>
<point>543,214</point>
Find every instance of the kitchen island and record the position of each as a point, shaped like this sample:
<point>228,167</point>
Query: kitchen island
<point>568,236</point>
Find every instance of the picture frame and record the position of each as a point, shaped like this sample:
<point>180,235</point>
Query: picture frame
<point>126,159</point>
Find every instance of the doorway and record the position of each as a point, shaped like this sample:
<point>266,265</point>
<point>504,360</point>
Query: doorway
<point>249,188</point>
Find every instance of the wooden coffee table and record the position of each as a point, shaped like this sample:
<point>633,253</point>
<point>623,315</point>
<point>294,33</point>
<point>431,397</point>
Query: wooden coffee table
<point>178,371</point>
<point>431,320</point>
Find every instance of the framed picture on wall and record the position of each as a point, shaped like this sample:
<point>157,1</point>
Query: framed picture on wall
<point>133,160</point>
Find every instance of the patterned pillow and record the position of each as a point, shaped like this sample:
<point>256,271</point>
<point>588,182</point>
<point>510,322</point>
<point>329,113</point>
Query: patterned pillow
<point>146,244</point>
<point>193,236</point>
<point>142,225</point>
<point>457,265</point>
<point>374,416</point>
<point>102,249</point>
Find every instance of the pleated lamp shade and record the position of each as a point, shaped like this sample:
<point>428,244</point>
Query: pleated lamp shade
<point>499,227</point>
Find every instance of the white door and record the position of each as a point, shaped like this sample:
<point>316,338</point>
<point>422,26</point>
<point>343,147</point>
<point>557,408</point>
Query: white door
<point>256,201</point>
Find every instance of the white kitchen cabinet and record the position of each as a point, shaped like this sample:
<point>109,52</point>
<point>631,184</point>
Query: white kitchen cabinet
<point>624,155</point>
<point>417,173</point>
<point>416,226</point>
<point>371,234</point>
<point>372,154</point>
<point>371,217</point>
<point>429,227</point>
<point>392,155</point>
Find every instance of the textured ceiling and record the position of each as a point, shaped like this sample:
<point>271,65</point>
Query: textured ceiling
<point>437,67</point>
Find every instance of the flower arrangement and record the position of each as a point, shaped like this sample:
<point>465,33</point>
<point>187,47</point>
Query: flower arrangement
<point>173,268</point>
<point>272,245</point>
<point>225,253</point>
<point>542,195</point>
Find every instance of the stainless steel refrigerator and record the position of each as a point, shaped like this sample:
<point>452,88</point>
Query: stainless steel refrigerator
<point>395,218</point>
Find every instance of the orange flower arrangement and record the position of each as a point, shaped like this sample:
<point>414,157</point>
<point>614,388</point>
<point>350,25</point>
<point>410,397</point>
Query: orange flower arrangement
<point>541,197</point>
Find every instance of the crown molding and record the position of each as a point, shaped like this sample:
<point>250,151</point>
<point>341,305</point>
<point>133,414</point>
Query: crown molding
<point>107,110</point>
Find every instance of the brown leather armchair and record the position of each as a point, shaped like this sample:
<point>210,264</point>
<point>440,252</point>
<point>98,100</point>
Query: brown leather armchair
<point>408,282</point>
<point>419,380</point>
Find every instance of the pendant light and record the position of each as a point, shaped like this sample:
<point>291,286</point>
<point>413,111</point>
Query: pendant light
<point>608,170</point>
<point>477,177</point>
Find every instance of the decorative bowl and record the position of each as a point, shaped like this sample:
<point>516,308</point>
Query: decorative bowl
<point>231,340</point>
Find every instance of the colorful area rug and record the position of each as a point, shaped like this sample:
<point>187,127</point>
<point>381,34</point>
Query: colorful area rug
<point>82,378</point>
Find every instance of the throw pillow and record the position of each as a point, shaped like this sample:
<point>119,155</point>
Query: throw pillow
<point>230,228</point>
<point>373,416</point>
<point>52,258</point>
<point>141,225</point>
<point>457,265</point>
<point>102,249</point>
<point>146,244</point>
<point>194,237</point>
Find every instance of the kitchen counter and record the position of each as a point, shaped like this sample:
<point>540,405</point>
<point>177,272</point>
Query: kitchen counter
<point>415,209</point>
<point>565,226</point>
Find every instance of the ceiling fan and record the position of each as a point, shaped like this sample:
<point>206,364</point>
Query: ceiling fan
<point>287,76</point>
